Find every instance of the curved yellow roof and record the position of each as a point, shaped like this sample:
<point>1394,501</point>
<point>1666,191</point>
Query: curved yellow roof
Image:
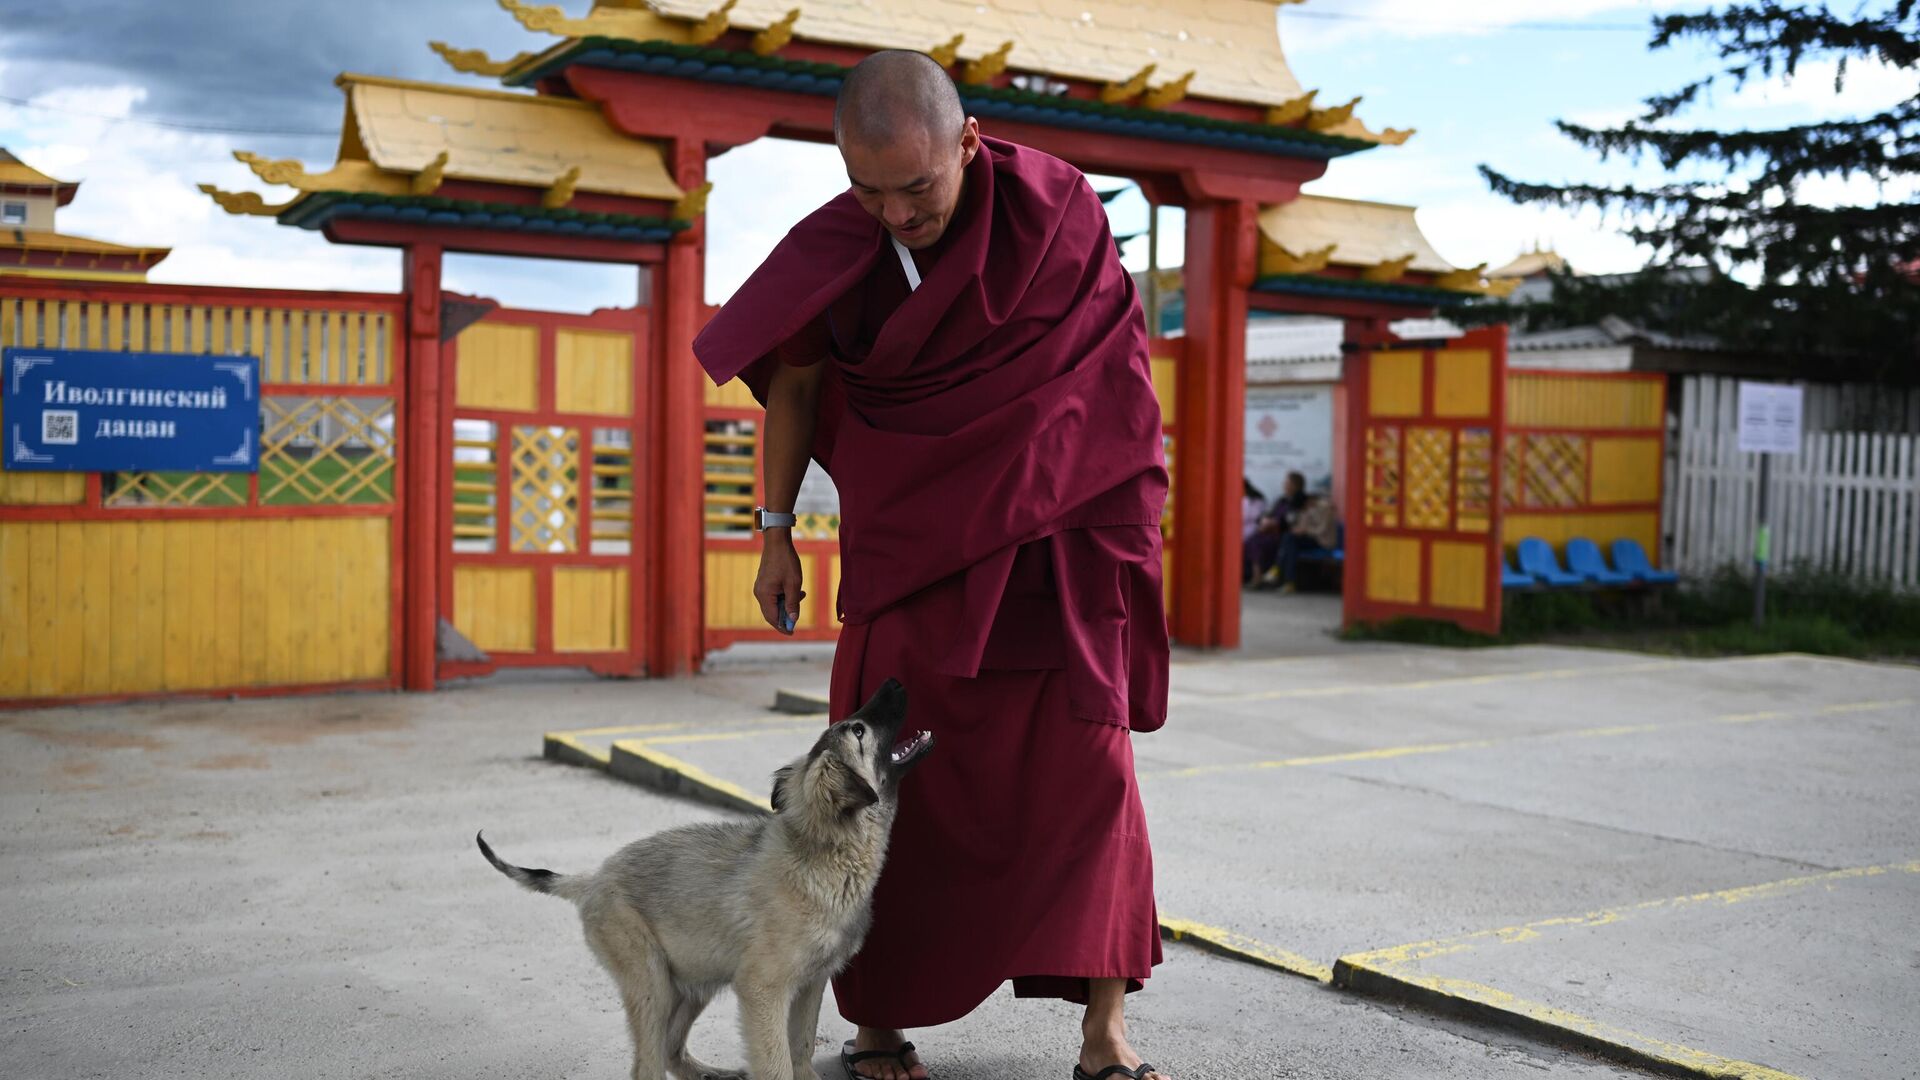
<point>491,135</point>
<point>1364,234</point>
<point>1231,46</point>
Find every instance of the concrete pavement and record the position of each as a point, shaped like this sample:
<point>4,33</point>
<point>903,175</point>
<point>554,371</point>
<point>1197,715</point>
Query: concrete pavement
<point>1695,864</point>
<point>289,888</point>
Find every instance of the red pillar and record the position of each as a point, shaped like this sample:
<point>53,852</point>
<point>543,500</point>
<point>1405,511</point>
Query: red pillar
<point>677,520</point>
<point>1211,455</point>
<point>422,451</point>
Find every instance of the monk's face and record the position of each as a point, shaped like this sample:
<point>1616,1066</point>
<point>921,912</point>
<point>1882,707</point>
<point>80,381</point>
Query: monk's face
<point>911,183</point>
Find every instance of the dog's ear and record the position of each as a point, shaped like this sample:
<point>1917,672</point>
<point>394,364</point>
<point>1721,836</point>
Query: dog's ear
<point>856,794</point>
<point>782,780</point>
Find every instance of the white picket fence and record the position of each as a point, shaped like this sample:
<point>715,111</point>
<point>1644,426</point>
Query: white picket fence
<point>1848,502</point>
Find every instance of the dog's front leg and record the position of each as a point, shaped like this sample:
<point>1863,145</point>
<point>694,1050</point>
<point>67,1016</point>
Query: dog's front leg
<point>803,1025</point>
<point>765,993</point>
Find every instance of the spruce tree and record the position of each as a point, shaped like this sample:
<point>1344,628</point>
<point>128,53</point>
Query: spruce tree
<point>1836,286</point>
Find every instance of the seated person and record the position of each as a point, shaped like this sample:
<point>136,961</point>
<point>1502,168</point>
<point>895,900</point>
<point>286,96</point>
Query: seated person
<point>1262,548</point>
<point>1315,528</point>
<point>1253,511</point>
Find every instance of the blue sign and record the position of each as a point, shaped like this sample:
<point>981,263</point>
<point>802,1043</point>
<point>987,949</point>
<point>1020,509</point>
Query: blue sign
<point>65,410</point>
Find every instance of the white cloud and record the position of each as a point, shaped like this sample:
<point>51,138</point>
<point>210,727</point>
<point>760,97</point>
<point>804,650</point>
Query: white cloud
<point>1363,19</point>
<point>760,191</point>
<point>138,187</point>
<point>1869,88</point>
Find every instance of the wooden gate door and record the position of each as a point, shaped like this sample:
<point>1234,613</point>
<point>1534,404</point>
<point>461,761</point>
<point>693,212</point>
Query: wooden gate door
<point>1425,430</point>
<point>541,563</point>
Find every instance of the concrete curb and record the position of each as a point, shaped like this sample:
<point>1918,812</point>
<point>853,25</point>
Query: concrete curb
<point>633,760</point>
<point>1486,1005</point>
<point>1234,946</point>
<point>799,703</point>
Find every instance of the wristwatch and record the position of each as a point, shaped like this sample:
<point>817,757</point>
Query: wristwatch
<point>764,519</point>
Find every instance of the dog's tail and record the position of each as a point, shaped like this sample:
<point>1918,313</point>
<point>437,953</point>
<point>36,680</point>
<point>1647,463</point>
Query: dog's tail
<point>564,886</point>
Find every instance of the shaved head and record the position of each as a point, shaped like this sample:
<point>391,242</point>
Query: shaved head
<point>897,94</point>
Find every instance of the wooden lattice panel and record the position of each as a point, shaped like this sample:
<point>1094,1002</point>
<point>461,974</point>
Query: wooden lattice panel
<point>612,491</point>
<point>138,489</point>
<point>1473,481</point>
<point>1429,473</point>
<point>326,450</point>
<point>1553,470</point>
<point>1383,476</point>
<point>545,489</point>
<point>476,463</point>
<point>728,472</point>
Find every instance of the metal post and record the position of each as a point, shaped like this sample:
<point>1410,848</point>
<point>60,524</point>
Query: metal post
<point>1153,269</point>
<point>1762,543</point>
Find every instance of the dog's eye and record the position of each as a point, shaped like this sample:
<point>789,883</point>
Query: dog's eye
<point>857,730</point>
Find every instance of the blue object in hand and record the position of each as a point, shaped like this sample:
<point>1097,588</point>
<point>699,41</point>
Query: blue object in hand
<point>787,622</point>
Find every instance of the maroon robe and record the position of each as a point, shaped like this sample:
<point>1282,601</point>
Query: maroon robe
<point>995,440</point>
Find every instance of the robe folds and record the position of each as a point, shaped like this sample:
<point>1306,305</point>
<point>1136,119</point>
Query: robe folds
<point>996,444</point>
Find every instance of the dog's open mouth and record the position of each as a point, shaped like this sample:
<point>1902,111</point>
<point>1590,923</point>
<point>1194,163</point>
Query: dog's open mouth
<point>911,747</point>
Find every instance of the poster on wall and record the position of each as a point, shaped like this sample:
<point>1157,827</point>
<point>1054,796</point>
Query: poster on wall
<point>1289,429</point>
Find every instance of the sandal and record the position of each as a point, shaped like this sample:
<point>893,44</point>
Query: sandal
<point>849,1057</point>
<point>1145,1070</point>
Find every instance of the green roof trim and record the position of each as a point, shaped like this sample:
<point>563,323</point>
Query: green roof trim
<point>773,72</point>
<point>322,206</point>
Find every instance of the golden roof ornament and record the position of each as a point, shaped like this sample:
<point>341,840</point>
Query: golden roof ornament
<point>1168,93</point>
<point>692,204</point>
<point>984,70</point>
<point>1293,111</point>
<point>945,55</point>
<point>1115,93</point>
<point>285,171</point>
<point>1467,278</point>
<point>775,37</point>
<point>551,20</point>
<point>1389,270</point>
<point>427,180</point>
<point>245,203</point>
<point>708,30</point>
<point>1278,260</point>
<point>476,61</point>
<point>561,193</point>
<point>1322,119</point>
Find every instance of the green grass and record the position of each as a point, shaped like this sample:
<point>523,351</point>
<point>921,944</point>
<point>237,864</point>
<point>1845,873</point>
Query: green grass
<point>1807,611</point>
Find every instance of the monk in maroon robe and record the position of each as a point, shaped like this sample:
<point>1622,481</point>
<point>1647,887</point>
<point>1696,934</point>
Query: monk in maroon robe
<point>955,341</point>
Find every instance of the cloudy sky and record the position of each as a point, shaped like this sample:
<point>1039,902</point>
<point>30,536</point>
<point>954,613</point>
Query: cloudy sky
<point>142,101</point>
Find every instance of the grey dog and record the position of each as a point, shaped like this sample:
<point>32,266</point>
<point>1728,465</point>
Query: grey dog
<point>772,907</point>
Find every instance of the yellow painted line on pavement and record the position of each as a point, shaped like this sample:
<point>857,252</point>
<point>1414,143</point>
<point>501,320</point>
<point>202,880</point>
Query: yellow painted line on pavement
<point>1544,674</point>
<point>732,736</point>
<point>1240,947</point>
<point>1513,935</point>
<point>1387,753</point>
<point>1481,1002</point>
<point>1391,973</point>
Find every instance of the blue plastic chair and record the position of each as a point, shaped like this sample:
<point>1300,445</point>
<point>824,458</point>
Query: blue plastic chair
<point>1583,558</point>
<point>1536,558</point>
<point>1514,579</point>
<point>1632,560</point>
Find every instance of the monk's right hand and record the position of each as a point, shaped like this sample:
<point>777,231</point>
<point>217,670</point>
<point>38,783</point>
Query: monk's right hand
<point>779,577</point>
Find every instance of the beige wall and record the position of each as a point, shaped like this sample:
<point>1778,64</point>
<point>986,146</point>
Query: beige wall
<point>39,210</point>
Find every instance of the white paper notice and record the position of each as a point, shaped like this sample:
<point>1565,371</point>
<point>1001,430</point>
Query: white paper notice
<point>1769,418</point>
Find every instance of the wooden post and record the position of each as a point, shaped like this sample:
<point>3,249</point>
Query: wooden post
<point>676,518</point>
<point>421,452</point>
<point>1210,458</point>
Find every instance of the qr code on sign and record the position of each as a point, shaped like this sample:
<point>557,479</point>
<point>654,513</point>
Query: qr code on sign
<point>59,428</point>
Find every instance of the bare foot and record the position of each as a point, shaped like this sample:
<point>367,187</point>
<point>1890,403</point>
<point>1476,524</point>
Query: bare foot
<point>881,1068</point>
<point>1103,1050</point>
